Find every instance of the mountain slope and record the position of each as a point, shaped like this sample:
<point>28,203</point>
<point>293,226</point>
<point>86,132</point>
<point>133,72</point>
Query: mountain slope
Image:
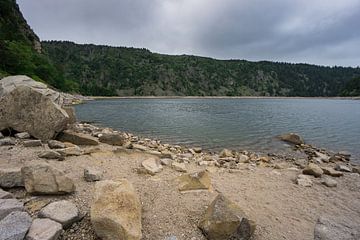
<point>104,70</point>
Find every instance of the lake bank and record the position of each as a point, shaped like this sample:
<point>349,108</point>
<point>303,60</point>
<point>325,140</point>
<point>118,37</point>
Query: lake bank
<point>266,187</point>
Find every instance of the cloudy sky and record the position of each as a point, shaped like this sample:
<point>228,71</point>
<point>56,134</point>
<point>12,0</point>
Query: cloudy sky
<point>324,32</point>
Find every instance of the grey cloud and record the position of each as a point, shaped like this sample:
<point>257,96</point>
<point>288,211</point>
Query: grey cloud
<point>323,32</point>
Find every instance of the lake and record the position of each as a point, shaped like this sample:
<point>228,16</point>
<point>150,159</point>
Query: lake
<point>236,123</point>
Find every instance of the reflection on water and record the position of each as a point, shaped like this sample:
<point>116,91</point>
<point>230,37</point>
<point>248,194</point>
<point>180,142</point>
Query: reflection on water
<point>232,123</point>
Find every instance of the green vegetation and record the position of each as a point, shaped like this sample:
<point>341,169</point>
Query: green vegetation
<point>104,70</point>
<point>107,71</point>
<point>352,88</point>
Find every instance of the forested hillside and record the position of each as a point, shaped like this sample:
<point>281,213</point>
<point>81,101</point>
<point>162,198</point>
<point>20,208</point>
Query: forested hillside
<point>104,70</point>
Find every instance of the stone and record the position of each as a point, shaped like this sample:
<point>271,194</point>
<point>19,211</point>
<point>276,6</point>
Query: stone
<point>292,138</point>
<point>8,206</point>
<point>50,154</point>
<point>180,167</point>
<point>226,153</point>
<point>243,158</point>
<point>328,229</point>
<point>7,142</point>
<point>32,143</point>
<point>92,175</point>
<point>139,147</point>
<point>224,220</point>
<point>345,154</point>
<point>44,179</point>
<point>11,177</point>
<point>116,139</point>
<point>197,149</point>
<point>313,169</point>
<point>63,212</point>
<point>27,110</point>
<point>77,138</point>
<point>1,135</point>
<point>152,166</point>
<point>70,151</point>
<point>22,135</point>
<point>342,168</point>
<point>329,182</point>
<point>44,229</point>
<point>332,172</point>
<point>195,181</point>
<point>322,157</point>
<point>356,169</point>
<point>116,211</point>
<point>166,161</point>
<point>301,162</point>
<point>303,180</point>
<point>15,226</point>
<point>71,112</point>
<point>54,144</point>
<point>5,195</point>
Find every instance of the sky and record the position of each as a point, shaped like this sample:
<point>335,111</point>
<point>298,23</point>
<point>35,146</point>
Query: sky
<point>322,32</point>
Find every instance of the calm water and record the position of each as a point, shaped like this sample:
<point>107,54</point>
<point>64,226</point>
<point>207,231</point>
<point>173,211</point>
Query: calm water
<point>233,123</point>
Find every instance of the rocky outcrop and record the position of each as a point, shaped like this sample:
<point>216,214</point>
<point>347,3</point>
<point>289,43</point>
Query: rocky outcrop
<point>44,229</point>
<point>116,211</point>
<point>44,179</point>
<point>77,138</point>
<point>25,109</point>
<point>292,138</point>
<point>195,181</point>
<point>63,212</point>
<point>224,220</point>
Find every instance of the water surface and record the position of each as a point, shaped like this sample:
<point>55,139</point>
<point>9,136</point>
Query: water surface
<point>232,123</point>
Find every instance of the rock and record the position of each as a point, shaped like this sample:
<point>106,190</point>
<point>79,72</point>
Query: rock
<point>11,177</point>
<point>195,181</point>
<point>53,144</point>
<point>63,212</point>
<point>329,182</point>
<point>32,143</point>
<point>116,139</point>
<point>313,169</point>
<point>140,147</point>
<point>22,135</point>
<point>50,154</point>
<point>302,163</point>
<point>44,179</point>
<point>328,229</point>
<point>292,138</point>
<point>70,151</point>
<point>225,220</point>
<point>243,158</point>
<point>332,172</point>
<point>27,110</point>
<point>92,175</point>
<point>71,112</point>
<point>152,166</point>
<point>5,195</point>
<point>197,149</point>
<point>303,180</point>
<point>180,167</point>
<point>1,135</point>
<point>8,206</point>
<point>322,157</point>
<point>14,226</point>
<point>7,142</point>
<point>116,211</point>
<point>345,154</point>
<point>342,168</point>
<point>166,161</point>
<point>226,153</point>
<point>77,138</point>
<point>356,169</point>
<point>44,229</point>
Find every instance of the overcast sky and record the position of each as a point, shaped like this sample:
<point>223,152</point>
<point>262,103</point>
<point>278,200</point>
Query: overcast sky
<point>324,32</point>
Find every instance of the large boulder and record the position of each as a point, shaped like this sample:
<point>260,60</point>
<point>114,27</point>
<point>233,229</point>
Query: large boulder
<point>27,110</point>
<point>292,138</point>
<point>225,220</point>
<point>44,179</point>
<point>116,211</point>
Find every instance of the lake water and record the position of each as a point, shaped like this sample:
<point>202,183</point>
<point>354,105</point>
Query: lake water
<point>250,124</point>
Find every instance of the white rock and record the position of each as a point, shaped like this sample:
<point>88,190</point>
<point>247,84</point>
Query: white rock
<point>152,166</point>
<point>22,135</point>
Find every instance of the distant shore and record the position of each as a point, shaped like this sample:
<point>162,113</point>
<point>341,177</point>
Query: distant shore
<point>217,97</point>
